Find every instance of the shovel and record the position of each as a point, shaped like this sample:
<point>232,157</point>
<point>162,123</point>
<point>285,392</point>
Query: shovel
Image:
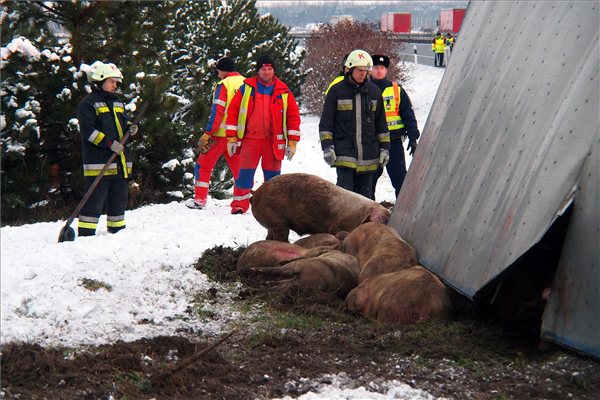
<point>67,233</point>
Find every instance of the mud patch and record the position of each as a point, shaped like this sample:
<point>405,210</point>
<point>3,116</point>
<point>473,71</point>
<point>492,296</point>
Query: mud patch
<point>293,346</point>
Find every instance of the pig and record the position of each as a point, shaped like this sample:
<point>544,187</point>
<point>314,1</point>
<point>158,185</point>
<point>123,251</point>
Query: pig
<point>318,240</point>
<point>321,269</point>
<point>309,204</point>
<point>268,254</point>
<point>403,297</point>
<point>379,249</point>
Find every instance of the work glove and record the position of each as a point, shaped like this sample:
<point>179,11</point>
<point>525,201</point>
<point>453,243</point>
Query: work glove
<point>329,156</point>
<point>290,150</point>
<point>412,146</point>
<point>231,145</point>
<point>133,130</point>
<point>116,146</point>
<point>384,157</point>
<point>204,143</point>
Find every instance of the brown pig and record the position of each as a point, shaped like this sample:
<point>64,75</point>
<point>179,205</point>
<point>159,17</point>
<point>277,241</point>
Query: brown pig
<point>268,254</point>
<point>403,297</point>
<point>321,269</point>
<point>319,240</point>
<point>379,249</point>
<point>309,204</point>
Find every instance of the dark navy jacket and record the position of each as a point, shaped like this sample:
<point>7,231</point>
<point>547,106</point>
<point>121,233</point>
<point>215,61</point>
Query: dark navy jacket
<point>102,119</point>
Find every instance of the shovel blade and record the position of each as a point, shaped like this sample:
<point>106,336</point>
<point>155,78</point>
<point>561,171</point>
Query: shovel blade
<point>67,234</point>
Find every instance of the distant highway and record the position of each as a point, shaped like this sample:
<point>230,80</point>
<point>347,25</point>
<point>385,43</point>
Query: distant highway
<point>421,40</point>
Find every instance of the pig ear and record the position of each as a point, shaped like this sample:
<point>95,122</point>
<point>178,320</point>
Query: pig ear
<point>368,216</point>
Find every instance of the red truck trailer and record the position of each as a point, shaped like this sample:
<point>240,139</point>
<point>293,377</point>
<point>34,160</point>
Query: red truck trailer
<point>396,22</point>
<point>450,20</point>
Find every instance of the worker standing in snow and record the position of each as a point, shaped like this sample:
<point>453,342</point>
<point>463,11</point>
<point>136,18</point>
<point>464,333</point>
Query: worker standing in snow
<point>353,131</point>
<point>103,122</point>
<point>401,122</point>
<point>264,119</point>
<point>438,46</point>
<point>213,142</point>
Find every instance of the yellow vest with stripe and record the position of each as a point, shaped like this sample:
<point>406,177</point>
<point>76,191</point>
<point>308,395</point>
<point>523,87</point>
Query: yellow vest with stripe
<point>232,84</point>
<point>391,104</point>
<point>337,79</point>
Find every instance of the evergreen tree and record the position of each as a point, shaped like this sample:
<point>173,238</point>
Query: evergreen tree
<point>165,51</point>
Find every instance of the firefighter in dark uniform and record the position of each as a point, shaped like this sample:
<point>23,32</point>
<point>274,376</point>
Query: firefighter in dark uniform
<point>401,122</point>
<point>353,131</point>
<point>103,122</point>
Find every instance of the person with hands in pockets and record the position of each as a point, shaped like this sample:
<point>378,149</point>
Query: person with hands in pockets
<point>353,130</point>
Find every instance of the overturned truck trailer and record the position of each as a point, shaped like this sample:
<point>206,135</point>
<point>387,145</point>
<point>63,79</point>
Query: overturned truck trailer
<point>511,142</point>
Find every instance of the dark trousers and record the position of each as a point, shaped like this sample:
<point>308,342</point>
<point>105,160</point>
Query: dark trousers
<point>348,179</point>
<point>439,59</point>
<point>396,167</point>
<point>110,196</point>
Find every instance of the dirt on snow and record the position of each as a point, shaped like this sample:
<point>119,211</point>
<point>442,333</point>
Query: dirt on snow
<point>288,346</point>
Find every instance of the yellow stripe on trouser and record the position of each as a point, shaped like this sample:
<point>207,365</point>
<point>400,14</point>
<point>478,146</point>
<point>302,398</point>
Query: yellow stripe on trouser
<point>87,225</point>
<point>115,224</point>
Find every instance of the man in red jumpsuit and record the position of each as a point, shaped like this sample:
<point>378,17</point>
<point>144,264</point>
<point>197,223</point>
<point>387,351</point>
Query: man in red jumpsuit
<point>213,143</point>
<point>264,118</point>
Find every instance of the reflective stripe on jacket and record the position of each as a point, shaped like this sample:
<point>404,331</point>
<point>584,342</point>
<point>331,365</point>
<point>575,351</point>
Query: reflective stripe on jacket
<point>102,120</point>
<point>285,115</point>
<point>439,44</point>
<point>224,92</point>
<point>353,121</point>
<point>391,102</point>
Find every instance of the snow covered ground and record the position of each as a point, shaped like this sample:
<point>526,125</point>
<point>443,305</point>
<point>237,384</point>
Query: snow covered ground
<point>148,265</point>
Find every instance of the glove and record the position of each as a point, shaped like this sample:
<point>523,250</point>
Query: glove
<point>384,157</point>
<point>290,150</point>
<point>231,146</point>
<point>116,146</point>
<point>412,146</point>
<point>329,156</point>
<point>204,143</point>
<point>133,130</point>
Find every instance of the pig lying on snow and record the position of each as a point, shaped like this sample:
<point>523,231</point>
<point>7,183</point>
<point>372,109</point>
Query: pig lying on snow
<point>308,204</point>
<point>403,297</point>
<point>379,249</point>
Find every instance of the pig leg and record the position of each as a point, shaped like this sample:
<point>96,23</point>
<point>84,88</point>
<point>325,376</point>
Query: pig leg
<point>279,233</point>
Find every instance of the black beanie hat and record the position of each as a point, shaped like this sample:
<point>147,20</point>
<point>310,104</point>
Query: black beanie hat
<point>263,60</point>
<point>226,64</point>
<point>379,59</point>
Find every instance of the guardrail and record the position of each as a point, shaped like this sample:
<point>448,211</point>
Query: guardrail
<point>413,37</point>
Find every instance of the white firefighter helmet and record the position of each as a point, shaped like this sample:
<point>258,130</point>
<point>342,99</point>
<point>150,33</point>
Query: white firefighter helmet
<point>101,71</point>
<point>358,58</point>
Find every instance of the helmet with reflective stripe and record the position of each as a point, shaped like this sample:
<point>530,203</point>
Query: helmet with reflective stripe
<point>358,58</point>
<point>103,71</point>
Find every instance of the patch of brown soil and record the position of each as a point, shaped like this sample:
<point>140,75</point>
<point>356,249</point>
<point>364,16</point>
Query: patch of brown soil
<point>307,337</point>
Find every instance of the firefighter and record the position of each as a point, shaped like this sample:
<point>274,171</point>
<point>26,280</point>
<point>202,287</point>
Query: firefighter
<point>264,119</point>
<point>213,142</point>
<point>400,119</point>
<point>353,131</point>
<point>103,122</point>
<point>438,45</point>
